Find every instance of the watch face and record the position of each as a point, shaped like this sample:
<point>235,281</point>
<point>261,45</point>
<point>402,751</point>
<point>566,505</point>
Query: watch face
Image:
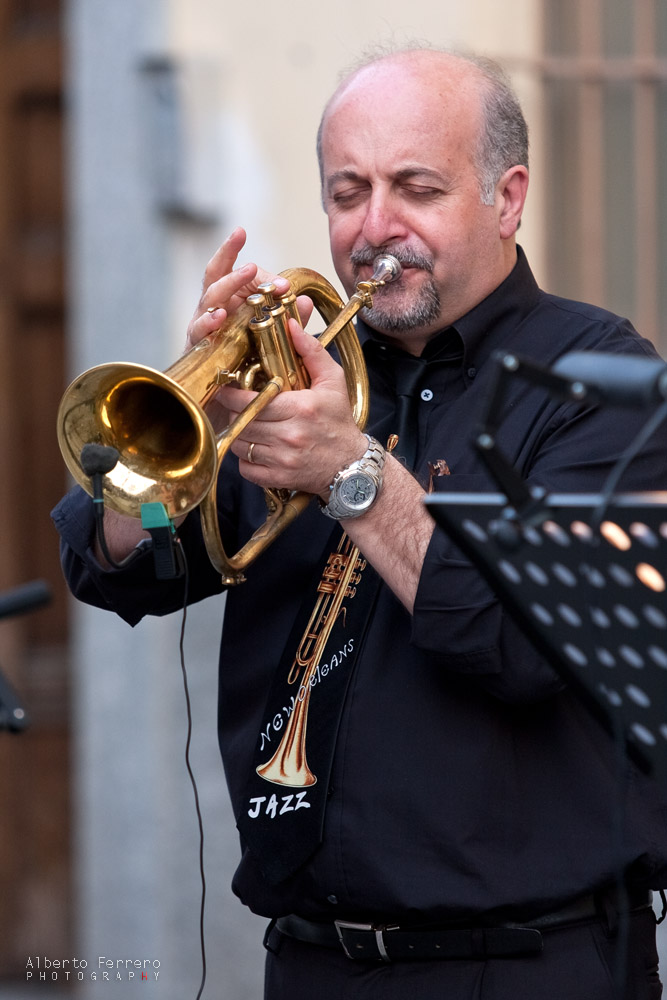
<point>357,491</point>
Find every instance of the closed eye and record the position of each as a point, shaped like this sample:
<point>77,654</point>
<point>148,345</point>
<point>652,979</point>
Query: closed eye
<point>421,193</point>
<point>349,196</point>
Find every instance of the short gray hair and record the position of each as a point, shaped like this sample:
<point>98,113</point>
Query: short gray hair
<point>503,139</point>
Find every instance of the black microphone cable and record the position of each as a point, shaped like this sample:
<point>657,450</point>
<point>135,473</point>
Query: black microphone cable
<point>188,765</point>
<point>609,488</point>
<point>96,461</point>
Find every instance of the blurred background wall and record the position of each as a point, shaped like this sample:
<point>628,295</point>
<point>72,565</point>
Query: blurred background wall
<point>134,136</point>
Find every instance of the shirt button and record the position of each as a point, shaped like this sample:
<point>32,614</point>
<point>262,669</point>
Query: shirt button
<point>426,395</point>
<point>332,899</point>
<point>472,372</point>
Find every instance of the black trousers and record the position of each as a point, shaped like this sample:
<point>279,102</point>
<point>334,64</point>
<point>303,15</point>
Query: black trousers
<point>579,962</point>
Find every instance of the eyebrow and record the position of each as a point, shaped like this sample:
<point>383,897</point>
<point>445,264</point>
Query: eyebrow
<point>342,175</point>
<point>417,171</point>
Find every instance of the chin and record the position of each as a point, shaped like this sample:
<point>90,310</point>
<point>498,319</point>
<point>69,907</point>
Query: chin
<point>406,312</point>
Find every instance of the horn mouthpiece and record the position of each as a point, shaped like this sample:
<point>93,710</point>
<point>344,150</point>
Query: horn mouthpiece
<point>387,268</point>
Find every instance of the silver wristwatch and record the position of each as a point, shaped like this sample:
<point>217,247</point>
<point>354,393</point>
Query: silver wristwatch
<point>355,488</point>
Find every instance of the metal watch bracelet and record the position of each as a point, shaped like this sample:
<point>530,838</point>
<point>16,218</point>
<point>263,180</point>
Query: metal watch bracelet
<point>355,488</point>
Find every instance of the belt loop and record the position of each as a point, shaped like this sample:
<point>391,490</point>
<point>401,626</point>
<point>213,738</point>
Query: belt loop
<point>379,940</point>
<point>478,942</point>
<point>606,904</point>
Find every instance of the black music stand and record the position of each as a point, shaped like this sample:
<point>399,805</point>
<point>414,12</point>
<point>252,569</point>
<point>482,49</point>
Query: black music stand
<point>592,600</point>
<point>585,576</point>
<point>13,716</point>
<point>29,596</point>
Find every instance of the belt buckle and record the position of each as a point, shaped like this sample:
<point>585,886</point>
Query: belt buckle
<point>376,929</point>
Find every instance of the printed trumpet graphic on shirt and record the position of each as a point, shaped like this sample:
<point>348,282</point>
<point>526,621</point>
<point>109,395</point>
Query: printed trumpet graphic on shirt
<point>341,575</point>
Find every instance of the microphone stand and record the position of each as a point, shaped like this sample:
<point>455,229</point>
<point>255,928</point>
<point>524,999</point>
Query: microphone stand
<point>523,503</point>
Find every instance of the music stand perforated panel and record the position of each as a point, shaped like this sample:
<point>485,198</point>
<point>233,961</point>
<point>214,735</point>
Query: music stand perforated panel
<point>592,599</point>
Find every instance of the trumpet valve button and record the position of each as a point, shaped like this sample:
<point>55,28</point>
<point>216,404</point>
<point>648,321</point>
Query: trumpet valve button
<point>267,288</point>
<point>257,301</point>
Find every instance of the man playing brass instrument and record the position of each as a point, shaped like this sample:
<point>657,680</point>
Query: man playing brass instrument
<point>465,846</point>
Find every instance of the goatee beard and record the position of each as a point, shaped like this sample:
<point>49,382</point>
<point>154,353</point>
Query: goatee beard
<point>422,311</point>
<point>388,317</point>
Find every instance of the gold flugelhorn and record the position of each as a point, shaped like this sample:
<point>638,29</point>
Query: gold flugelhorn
<point>169,452</point>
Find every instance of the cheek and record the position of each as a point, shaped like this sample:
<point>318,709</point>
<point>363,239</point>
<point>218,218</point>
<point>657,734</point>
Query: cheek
<point>342,240</point>
<point>342,233</point>
<point>340,246</point>
<point>459,236</point>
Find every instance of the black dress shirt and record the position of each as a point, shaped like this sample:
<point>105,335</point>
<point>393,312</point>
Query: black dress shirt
<point>468,781</point>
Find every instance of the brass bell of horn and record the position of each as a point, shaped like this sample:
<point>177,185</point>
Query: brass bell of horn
<point>169,451</point>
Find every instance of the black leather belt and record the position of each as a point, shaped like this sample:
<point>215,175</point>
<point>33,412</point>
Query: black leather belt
<point>390,942</point>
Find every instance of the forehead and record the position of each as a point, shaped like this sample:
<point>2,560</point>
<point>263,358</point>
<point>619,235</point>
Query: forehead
<point>392,113</point>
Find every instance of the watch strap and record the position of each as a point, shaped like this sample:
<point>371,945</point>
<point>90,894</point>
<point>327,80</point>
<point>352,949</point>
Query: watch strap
<point>371,464</point>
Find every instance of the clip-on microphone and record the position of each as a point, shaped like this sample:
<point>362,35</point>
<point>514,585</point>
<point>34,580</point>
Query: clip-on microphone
<point>96,461</point>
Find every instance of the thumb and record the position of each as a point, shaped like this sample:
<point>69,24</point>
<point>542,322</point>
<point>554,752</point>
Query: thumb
<point>319,364</point>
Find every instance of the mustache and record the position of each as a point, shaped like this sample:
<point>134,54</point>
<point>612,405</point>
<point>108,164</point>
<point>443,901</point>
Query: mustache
<point>404,254</point>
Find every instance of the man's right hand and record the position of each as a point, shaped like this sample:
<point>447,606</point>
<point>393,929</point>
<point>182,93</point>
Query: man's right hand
<point>225,289</point>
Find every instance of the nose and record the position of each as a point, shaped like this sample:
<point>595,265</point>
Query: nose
<point>382,222</point>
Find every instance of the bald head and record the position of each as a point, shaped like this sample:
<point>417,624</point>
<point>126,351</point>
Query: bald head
<point>409,167</point>
<point>501,139</point>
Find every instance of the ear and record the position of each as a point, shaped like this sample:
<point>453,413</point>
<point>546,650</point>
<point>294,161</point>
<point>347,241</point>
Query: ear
<point>511,192</point>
